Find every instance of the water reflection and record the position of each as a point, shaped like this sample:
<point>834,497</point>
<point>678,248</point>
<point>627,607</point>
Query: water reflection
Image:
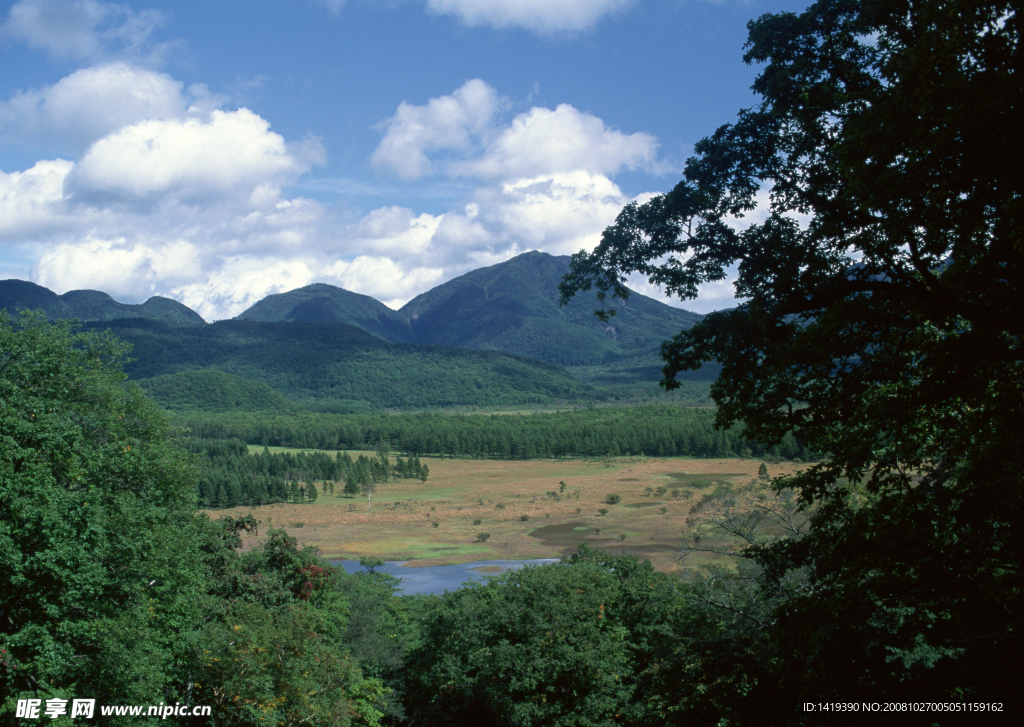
<point>441,578</point>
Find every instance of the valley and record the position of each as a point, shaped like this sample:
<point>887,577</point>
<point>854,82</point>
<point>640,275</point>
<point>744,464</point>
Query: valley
<point>523,507</point>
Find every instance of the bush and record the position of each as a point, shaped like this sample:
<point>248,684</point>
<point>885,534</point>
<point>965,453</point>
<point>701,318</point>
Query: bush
<point>524,518</point>
<point>603,511</point>
<point>482,537</point>
<point>477,521</point>
<point>613,499</point>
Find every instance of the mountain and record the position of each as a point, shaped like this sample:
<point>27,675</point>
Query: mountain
<point>339,367</point>
<point>513,306</point>
<point>320,303</point>
<point>92,305</point>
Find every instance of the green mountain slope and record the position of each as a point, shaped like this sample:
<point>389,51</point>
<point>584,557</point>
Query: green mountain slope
<point>338,367</point>
<point>320,303</point>
<point>214,391</point>
<point>513,306</point>
<point>92,305</point>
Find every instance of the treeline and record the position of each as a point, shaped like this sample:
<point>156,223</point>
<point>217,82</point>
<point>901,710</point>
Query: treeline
<point>231,476</point>
<point>659,431</point>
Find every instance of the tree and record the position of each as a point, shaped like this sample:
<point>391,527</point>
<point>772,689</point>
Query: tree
<point>880,324</point>
<point>274,651</point>
<point>581,642</point>
<point>101,579</point>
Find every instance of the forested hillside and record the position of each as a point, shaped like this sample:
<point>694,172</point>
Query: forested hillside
<point>209,390</point>
<point>338,367</point>
<point>514,306</point>
<point>319,303</point>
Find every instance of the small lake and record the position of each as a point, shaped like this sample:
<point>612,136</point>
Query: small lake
<point>440,578</point>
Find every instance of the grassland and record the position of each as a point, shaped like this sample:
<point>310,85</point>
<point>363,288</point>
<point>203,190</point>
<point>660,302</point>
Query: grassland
<point>523,506</point>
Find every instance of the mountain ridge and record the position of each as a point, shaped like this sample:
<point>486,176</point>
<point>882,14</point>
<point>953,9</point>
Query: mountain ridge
<point>92,305</point>
<point>512,306</point>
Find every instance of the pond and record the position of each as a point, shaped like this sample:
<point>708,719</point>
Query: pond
<point>440,578</point>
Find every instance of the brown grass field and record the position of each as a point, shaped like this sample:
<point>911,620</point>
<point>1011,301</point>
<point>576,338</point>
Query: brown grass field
<point>519,505</point>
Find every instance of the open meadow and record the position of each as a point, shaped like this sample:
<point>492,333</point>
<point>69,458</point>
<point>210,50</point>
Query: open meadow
<point>472,510</point>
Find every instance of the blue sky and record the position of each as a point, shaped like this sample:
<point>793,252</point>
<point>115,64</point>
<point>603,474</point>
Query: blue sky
<point>216,153</point>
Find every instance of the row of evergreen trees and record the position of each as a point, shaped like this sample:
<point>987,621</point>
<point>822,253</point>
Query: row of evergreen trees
<point>660,431</point>
<point>231,476</point>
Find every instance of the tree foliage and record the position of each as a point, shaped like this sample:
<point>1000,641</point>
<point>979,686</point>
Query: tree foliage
<point>584,642</point>
<point>114,588</point>
<point>98,557</point>
<point>881,323</point>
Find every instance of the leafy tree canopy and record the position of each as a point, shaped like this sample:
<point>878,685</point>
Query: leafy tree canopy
<point>870,210</point>
<point>98,560</point>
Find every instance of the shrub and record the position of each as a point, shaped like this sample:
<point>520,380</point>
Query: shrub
<point>482,537</point>
<point>477,521</point>
<point>613,499</point>
<point>603,511</point>
<point>524,518</point>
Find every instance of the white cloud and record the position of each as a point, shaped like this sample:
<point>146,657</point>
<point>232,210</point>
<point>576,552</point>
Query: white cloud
<point>539,16</point>
<point>559,214</point>
<point>394,282</point>
<point>394,230</point>
<point>93,102</point>
<point>538,142</point>
<point>543,141</point>
<point>189,203</point>
<point>234,152</point>
<point>85,29</point>
<point>448,122</point>
<point>31,201</point>
<point>133,271</point>
<point>237,282</point>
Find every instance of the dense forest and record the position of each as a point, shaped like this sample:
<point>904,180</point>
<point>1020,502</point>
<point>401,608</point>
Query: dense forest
<point>660,431</point>
<point>338,367</point>
<point>231,476</point>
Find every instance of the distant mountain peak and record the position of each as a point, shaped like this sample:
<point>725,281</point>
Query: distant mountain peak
<point>324,303</point>
<point>91,305</point>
